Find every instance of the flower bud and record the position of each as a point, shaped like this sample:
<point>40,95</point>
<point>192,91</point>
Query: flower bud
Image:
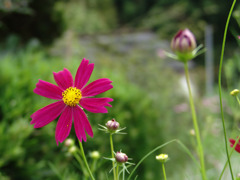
<point>192,132</point>
<point>183,42</point>
<point>112,125</point>
<point>162,158</point>
<point>69,142</point>
<point>95,155</point>
<point>121,157</point>
<point>72,150</point>
<point>234,92</point>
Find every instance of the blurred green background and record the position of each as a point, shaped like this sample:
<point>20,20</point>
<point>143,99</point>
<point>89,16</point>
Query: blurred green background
<point>125,40</point>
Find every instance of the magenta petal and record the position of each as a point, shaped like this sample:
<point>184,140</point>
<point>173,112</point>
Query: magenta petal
<point>80,123</point>
<point>83,74</point>
<point>63,79</point>
<point>97,87</point>
<point>96,105</point>
<point>64,125</point>
<point>47,114</point>
<point>48,90</point>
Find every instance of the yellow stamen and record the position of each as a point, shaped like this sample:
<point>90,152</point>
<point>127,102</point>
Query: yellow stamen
<point>71,96</point>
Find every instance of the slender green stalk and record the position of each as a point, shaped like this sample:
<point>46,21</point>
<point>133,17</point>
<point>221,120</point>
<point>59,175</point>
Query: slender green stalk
<point>117,169</point>
<point>233,148</point>
<point>195,124</point>
<point>123,174</point>
<point>56,171</point>
<point>220,85</point>
<point>189,153</point>
<point>78,158</point>
<point>85,160</point>
<point>94,165</point>
<point>238,100</point>
<point>113,163</point>
<point>164,173</point>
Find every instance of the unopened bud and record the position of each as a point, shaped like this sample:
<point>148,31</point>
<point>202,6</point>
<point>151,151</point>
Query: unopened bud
<point>95,155</point>
<point>192,132</point>
<point>112,125</point>
<point>72,150</point>
<point>162,157</point>
<point>234,92</point>
<point>121,157</point>
<point>184,42</point>
<point>69,142</point>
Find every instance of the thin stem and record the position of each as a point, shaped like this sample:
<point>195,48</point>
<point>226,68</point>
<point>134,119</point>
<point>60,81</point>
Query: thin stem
<point>195,124</point>
<point>113,163</point>
<point>164,173</point>
<point>233,148</point>
<point>85,160</point>
<point>220,85</point>
<point>123,174</point>
<point>94,165</point>
<point>117,172</point>
<point>238,100</point>
<point>78,158</point>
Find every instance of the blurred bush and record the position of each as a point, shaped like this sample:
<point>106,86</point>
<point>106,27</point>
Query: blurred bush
<point>166,17</point>
<point>46,19</point>
<point>31,19</point>
<point>21,152</point>
<point>88,17</point>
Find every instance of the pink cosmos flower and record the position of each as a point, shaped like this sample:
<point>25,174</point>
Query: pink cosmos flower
<point>72,97</point>
<point>237,148</point>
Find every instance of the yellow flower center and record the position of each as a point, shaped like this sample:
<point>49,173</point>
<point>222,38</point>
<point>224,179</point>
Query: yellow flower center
<point>71,96</point>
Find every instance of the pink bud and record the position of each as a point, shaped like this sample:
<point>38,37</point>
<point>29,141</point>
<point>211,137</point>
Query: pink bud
<point>184,41</point>
<point>121,157</point>
<point>112,125</point>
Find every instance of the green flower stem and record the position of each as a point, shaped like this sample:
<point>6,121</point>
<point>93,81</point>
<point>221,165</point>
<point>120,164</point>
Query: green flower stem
<point>117,171</point>
<point>220,85</point>
<point>233,148</point>
<point>94,165</point>
<point>78,158</point>
<point>195,124</point>
<point>238,100</point>
<point>113,163</point>
<point>164,173</point>
<point>85,160</point>
<point>123,174</point>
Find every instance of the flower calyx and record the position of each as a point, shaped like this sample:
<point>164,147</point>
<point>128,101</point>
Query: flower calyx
<point>184,46</point>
